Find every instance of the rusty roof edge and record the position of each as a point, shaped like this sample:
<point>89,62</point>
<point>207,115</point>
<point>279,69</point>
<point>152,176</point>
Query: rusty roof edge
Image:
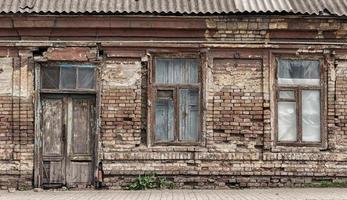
<point>170,7</point>
<point>276,13</point>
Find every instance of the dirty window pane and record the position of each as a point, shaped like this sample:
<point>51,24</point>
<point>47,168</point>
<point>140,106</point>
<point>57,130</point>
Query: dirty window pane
<point>50,77</point>
<point>310,116</point>
<point>287,121</point>
<point>86,78</point>
<point>189,114</point>
<point>287,95</point>
<point>174,70</point>
<point>68,78</point>
<point>164,116</point>
<point>298,72</point>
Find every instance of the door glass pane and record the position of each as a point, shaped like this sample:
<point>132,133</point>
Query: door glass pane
<point>50,77</point>
<point>298,72</point>
<point>86,78</point>
<point>174,70</point>
<point>287,121</point>
<point>189,114</point>
<point>311,116</point>
<point>164,116</point>
<point>68,78</point>
<point>287,95</point>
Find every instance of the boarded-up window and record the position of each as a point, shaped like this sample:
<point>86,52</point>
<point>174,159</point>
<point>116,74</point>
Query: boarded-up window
<point>177,97</point>
<point>299,101</point>
<point>68,77</point>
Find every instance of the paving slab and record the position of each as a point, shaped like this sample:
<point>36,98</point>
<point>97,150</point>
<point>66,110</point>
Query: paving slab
<point>245,194</point>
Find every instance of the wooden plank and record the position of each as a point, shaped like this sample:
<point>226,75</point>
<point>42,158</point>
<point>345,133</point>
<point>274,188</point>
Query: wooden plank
<point>38,117</point>
<point>55,173</point>
<point>52,116</point>
<point>80,157</point>
<point>53,162</point>
<point>81,126</point>
<point>80,173</point>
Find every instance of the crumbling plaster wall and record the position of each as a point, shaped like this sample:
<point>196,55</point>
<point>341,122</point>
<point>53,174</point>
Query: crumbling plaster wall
<point>239,148</point>
<point>16,121</point>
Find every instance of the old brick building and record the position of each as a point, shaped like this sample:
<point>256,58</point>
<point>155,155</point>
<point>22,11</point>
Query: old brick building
<point>208,93</point>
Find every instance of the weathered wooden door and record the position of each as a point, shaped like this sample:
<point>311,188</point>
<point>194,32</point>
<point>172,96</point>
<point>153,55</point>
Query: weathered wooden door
<point>68,124</point>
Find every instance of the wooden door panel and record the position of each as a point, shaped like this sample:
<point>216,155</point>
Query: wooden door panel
<point>81,130</point>
<point>53,149</point>
<point>80,173</point>
<point>52,172</point>
<point>52,127</point>
<point>80,144</point>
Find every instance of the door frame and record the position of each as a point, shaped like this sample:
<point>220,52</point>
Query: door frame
<point>38,168</point>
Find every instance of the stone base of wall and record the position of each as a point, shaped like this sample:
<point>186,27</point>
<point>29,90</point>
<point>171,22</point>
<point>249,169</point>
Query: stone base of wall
<point>228,182</point>
<point>20,182</point>
<point>193,182</point>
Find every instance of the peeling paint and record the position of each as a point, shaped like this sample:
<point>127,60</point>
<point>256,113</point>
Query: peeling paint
<point>210,23</point>
<point>70,54</point>
<point>121,73</point>
<point>6,72</point>
<point>340,69</point>
<point>237,73</point>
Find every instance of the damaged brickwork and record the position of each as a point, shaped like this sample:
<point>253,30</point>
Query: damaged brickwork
<point>238,147</point>
<point>16,122</point>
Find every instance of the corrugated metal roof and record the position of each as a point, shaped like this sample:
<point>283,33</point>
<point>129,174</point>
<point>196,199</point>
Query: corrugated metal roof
<point>190,7</point>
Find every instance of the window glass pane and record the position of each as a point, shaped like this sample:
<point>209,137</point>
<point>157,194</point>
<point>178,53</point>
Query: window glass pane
<point>86,78</point>
<point>68,77</point>
<point>164,116</point>
<point>50,77</point>
<point>310,116</point>
<point>298,72</point>
<point>287,121</point>
<point>287,95</point>
<point>189,114</point>
<point>174,70</point>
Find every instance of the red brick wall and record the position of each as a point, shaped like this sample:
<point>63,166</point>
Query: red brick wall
<point>237,106</point>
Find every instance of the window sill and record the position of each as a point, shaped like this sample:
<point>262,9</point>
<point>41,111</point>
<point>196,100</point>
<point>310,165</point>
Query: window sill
<point>177,148</point>
<point>177,144</point>
<point>303,144</point>
<point>285,147</point>
<point>53,91</point>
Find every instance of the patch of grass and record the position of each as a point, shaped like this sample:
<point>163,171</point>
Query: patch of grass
<point>144,182</point>
<point>163,183</point>
<point>328,184</point>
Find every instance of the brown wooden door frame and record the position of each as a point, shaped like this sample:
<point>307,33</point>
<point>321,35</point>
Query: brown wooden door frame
<point>37,106</point>
<point>68,157</point>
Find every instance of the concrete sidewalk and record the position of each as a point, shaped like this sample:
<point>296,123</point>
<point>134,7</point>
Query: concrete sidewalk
<point>246,194</point>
